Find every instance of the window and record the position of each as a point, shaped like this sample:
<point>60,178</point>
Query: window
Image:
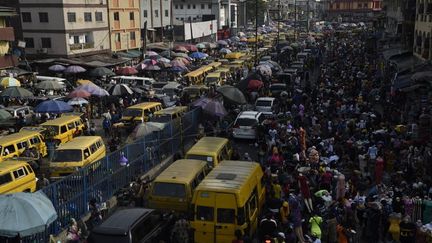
<point>205,213</point>
<point>145,13</point>
<point>98,16</point>
<point>75,39</point>
<point>181,6</point>
<point>166,13</point>
<point>156,13</point>
<point>365,5</point>
<point>93,148</point>
<point>116,16</point>
<point>193,6</point>
<point>9,149</point>
<point>252,205</point>
<point>71,125</point>
<point>176,6</point>
<point>26,17</point>
<point>19,173</point>
<point>88,17</point>
<point>226,215</point>
<point>337,6</point>
<point>117,37</point>
<point>165,189</point>
<point>86,153</point>
<point>209,6</point>
<point>67,155</point>
<point>43,17</point>
<point>131,16</point>
<point>188,6</point>
<point>359,5</point>
<point>71,17</point>
<point>34,140</point>
<point>6,178</point>
<point>63,129</point>
<point>29,42</point>
<point>132,36</point>
<point>202,6</point>
<point>22,145</point>
<point>46,42</point>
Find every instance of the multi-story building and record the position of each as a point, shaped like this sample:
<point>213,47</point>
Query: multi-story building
<point>124,24</point>
<point>353,10</point>
<point>64,28</point>
<point>157,14</point>
<point>400,20</point>
<point>195,11</point>
<point>423,30</point>
<point>6,38</point>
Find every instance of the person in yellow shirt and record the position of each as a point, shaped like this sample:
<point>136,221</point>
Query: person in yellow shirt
<point>284,212</point>
<point>277,189</point>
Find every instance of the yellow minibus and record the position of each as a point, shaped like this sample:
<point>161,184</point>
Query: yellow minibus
<point>76,154</point>
<point>64,128</point>
<point>229,199</point>
<point>13,145</point>
<point>173,188</point>
<point>16,176</point>
<point>211,149</point>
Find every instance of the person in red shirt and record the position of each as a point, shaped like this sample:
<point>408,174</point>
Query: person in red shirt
<point>379,169</point>
<point>326,179</point>
<point>305,191</point>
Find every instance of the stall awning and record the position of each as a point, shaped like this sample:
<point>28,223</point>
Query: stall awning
<point>129,54</point>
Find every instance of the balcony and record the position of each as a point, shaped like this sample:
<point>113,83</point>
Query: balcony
<point>7,34</point>
<point>81,46</point>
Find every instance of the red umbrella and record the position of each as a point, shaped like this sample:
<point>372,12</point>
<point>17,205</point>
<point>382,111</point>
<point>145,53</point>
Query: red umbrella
<point>79,94</point>
<point>190,47</point>
<point>180,49</point>
<point>255,84</point>
<point>127,71</point>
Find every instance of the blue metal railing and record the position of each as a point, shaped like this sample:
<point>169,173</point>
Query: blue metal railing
<point>100,180</point>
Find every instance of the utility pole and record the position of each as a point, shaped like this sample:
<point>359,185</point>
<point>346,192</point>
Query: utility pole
<point>256,33</point>
<point>278,22</point>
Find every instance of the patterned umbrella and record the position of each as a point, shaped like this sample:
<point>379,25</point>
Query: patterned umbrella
<point>190,47</point>
<point>127,71</point>
<point>53,106</point>
<point>10,82</point>
<point>16,92</point>
<point>120,89</point>
<point>75,69</point>
<point>57,68</point>
<point>79,94</point>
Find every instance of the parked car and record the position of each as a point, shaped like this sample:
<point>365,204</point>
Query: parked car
<point>267,105</point>
<point>246,124</point>
<point>132,225</point>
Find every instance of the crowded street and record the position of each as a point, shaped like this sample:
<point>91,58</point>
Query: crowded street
<point>276,133</point>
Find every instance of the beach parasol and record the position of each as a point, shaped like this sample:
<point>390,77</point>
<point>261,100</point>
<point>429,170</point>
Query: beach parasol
<point>25,214</point>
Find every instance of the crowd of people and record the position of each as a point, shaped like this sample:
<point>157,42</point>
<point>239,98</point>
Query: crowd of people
<point>341,161</point>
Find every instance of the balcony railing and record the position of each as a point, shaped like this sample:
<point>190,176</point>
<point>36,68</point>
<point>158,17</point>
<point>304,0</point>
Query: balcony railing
<point>80,46</point>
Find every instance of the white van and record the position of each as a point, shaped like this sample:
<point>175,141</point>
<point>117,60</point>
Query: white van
<point>135,81</point>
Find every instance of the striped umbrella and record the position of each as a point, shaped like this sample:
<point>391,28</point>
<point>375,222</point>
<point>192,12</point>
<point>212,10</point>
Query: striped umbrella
<point>10,82</point>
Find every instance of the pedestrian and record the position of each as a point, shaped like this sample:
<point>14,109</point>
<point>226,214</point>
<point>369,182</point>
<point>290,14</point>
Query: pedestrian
<point>180,231</point>
<point>106,124</point>
<point>73,234</point>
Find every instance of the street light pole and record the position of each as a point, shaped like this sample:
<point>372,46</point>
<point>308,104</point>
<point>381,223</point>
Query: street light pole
<point>278,22</point>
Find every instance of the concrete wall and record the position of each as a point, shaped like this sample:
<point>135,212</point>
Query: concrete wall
<point>58,43</point>
<point>124,26</point>
<point>151,6</point>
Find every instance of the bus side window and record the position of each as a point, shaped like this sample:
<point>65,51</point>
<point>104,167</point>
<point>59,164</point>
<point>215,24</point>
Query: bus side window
<point>86,153</point>
<point>63,129</point>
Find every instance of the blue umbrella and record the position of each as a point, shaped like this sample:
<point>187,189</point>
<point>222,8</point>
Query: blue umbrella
<point>53,106</point>
<point>198,55</point>
<point>25,214</point>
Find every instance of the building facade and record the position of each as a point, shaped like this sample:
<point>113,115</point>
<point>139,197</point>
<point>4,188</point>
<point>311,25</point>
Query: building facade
<point>7,37</point>
<point>157,14</point>
<point>400,21</point>
<point>64,28</point>
<point>124,24</point>
<point>353,10</point>
<point>423,28</point>
<point>197,11</point>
